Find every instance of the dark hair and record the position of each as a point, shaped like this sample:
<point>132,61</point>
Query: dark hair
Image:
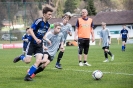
<point>64,16</point>
<point>27,29</point>
<point>46,9</point>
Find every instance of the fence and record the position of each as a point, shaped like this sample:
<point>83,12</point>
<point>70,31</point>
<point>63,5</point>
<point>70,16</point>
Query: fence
<point>16,16</point>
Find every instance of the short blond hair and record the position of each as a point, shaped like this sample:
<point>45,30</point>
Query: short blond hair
<point>103,23</point>
<point>57,24</point>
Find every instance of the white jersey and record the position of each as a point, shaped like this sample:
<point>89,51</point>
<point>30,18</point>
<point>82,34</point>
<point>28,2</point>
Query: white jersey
<point>65,29</point>
<point>105,34</point>
<point>55,41</point>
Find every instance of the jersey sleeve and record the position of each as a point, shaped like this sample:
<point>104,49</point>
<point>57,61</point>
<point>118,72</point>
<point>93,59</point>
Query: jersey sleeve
<point>70,28</point>
<point>77,24</point>
<point>36,24</point>
<point>23,37</point>
<point>101,34</point>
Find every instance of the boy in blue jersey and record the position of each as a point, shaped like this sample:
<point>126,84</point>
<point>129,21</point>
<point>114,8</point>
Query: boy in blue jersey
<point>124,35</point>
<point>26,39</point>
<point>52,40</point>
<point>37,32</point>
<point>66,29</point>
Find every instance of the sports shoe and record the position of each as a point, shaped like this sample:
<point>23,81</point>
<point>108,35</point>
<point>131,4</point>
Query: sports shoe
<point>106,60</point>
<point>33,75</point>
<point>81,64</point>
<point>16,59</point>
<point>58,66</point>
<point>28,78</point>
<point>112,58</point>
<point>87,64</point>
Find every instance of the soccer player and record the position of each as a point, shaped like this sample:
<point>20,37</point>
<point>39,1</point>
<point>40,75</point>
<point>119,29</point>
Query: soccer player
<point>124,35</point>
<point>26,39</point>
<point>52,40</point>
<point>84,29</point>
<point>66,29</point>
<point>37,31</point>
<point>104,37</point>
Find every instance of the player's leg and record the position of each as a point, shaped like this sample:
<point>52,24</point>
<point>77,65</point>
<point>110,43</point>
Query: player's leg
<point>45,61</point>
<point>39,54</point>
<point>86,49</point>
<point>105,55</point>
<point>27,57</point>
<point>60,55</point>
<point>109,52</point>
<point>123,44</point>
<point>80,50</point>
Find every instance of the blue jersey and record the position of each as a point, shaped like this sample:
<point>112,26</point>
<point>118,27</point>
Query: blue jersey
<point>25,43</point>
<point>124,33</point>
<point>39,28</point>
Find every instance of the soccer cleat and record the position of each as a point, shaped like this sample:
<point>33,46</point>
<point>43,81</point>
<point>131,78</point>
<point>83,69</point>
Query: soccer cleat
<point>87,64</point>
<point>106,60</point>
<point>16,59</point>
<point>58,66</point>
<point>112,58</point>
<point>33,75</point>
<point>81,64</point>
<point>28,78</point>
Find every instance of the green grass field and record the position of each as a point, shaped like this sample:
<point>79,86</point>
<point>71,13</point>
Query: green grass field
<point>116,74</point>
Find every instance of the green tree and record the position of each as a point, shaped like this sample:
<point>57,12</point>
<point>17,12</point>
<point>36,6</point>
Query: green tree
<point>90,7</point>
<point>70,5</point>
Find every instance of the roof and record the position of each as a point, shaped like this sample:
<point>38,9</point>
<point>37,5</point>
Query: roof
<point>110,18</point>
<point>120,17</point>
<point>72,21</point>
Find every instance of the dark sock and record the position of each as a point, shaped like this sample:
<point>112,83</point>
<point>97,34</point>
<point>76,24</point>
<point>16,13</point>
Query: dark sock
<point>85,61</point>
<point>110,53</point>
<point>80,61</point>
<point>59,57</point>
<point>106,54</point>
<point>40,69</point>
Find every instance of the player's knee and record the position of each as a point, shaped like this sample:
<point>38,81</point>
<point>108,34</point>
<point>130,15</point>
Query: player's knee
<point>106,50</point>
<point>80,50</point>
<point>27,60</point>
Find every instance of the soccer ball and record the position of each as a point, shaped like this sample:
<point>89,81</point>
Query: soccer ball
<point>97,74</point>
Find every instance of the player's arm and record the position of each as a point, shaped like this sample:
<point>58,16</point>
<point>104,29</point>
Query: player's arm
<point>47,38</point>
<point>120,34</point>
<point>62,43</point>
<point>76,32</point>
<point>100,40</point>
<point>70,31</point>
<point>92,32</point>
<point>33,35</point>
<point>127,35</point>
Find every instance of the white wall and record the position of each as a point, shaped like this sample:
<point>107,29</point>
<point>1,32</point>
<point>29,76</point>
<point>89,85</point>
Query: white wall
<point>111,28</point>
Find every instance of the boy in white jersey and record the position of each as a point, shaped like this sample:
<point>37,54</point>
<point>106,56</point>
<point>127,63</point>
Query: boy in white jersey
<point>105,35</point>
<point>66,29</point>
<point>52,40</point>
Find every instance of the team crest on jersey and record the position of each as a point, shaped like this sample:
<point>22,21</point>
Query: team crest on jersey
<point>85,25</point>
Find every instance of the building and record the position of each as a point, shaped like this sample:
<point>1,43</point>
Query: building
<point>114,21</point>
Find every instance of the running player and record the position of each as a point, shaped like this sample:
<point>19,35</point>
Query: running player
<point>124,35</point>
<point>104,34</point>
<point>26,39</point>
<point>37,31</point>
<point>52,40</point>
<point>66,29</point>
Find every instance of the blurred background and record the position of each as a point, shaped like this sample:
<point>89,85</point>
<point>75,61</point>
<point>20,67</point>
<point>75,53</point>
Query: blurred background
<point>17,15</point>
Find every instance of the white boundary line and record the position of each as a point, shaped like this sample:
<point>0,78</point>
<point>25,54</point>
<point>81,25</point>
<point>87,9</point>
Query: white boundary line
<point>117,73</point>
